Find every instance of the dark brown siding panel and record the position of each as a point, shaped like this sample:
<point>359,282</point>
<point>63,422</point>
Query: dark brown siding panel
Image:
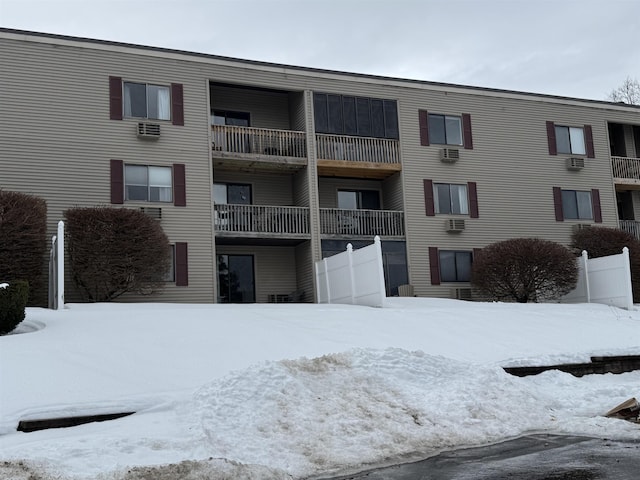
<point>429,205</point>
<point>595,200</point>
<point>179,185</point>
<point>115,98</point>
<point>557,204</point>
<point>466,131</point>
<point>182,265</point>
<point>424,127</point>
<point>588,139</point>
<point>177,104</point>
<point>117,182</point>
<point>551,138</point>
<point>434,266</point>
<point>472,189</point>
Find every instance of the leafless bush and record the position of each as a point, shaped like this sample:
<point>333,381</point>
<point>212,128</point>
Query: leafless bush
<point>23,242</point>
<point>524,270</point>
<point>113,251</point>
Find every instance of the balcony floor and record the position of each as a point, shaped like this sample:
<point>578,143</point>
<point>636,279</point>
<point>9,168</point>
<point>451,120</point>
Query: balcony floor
<point>349,169</point>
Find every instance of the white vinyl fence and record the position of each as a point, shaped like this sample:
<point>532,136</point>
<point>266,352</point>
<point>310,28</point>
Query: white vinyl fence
<point>603,280</point>
<point>353,277</point>
<point>56,269</point>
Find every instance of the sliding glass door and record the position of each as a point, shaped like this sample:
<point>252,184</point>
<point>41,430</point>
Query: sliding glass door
<point>236,282</point>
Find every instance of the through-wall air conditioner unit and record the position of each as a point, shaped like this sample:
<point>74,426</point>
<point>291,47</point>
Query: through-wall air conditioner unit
<point>461,293</point>
<point>581,226</point>
<point>153,212</point>
<point>449,155</point>
<point>148,130</point>
<point>454,225</point>
<point>575,163</point>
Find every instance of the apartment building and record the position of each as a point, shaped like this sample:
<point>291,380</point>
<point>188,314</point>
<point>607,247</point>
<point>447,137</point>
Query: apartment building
<point>257,170</point>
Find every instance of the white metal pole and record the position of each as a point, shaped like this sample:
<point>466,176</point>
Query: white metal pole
<point>60,255</point>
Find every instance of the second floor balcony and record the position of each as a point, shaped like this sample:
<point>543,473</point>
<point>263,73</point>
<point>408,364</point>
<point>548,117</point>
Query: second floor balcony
<point>261,221</point>
<point>234,144</point>
<point>626,170</point>
<point>343,223</point>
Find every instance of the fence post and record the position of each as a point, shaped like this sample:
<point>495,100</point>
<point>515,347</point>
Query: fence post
<point>381,285</point>
<point>585,269</point>
<point>627,272</point>
<point>326,279</point>
<point>60,266</point>
<point>352,279</point>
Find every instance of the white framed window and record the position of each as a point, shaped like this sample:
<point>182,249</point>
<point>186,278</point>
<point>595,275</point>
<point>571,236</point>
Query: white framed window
<point>142,100</point>
<point>450,199</point>
<point>445,129</point>
<point>570,140</point>
<point>148,183</point>
<point>577,205</point>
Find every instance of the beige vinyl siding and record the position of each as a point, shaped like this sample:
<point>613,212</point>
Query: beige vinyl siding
<point>266,109</point>
<point>266,188</point>
<point>59,140</point>
<point>301,188</point>
<point>274,268</point>
<point>297,112</point>
<point>392,192</point>
<point>630,145</point>
<point>305,271</point>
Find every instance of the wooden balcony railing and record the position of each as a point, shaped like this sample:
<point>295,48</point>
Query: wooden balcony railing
<point>258,141</point>
<point>631,226</point>
<point>624,167</point>
<point>261,219</point>
<point>367,223</point>
<point>357,149</point>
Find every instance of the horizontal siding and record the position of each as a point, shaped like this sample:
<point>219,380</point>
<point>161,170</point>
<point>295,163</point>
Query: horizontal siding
<point>305,272</point>
<point>266,109</point>
<point>56,141</point>
<point>266,188</point>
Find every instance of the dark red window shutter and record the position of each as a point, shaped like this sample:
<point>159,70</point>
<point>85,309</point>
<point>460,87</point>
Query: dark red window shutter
<point>595,202</point>
<point>179,185</point>
<point>434,266</point>
<point>472,190</point>
<point>115,98</point>
<point>182,265</point>
<point>429,205</point>
<point>423,117</point>
<point>588,140</point>
<point>557,204</point>
<point>466,131</point>
<point>177,104</point>
<point>117,182</point>
<point>551,138</point>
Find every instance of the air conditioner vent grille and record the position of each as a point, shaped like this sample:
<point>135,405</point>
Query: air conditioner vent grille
<point>575,163</point>
<point>148,130</point>
<point>449,155</point>
<point>454,225</point>
<point>153,212</point>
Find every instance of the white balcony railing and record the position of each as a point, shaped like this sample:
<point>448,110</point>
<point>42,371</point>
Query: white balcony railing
<point>261,219</point>
<point>357,149</point>
<point>337,221</point>
<point>631,226</point>
<point>258,141</point>
<point>624,167</point>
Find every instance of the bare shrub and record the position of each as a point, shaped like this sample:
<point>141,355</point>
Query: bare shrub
<point>524,270</point>
<point>603,241</point>
<point>113,251</point>
<point>23,242</point>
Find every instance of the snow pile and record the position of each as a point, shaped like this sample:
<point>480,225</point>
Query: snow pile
<point>363,406</point>
<point>287,391</point>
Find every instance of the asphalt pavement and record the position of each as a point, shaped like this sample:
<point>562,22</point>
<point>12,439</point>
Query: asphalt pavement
<point>531,457</point>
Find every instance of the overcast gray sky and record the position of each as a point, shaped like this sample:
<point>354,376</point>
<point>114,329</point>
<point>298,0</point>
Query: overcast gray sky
<point>576,48</point>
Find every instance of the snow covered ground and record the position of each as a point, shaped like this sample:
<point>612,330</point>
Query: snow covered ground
<point>296,391</point>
